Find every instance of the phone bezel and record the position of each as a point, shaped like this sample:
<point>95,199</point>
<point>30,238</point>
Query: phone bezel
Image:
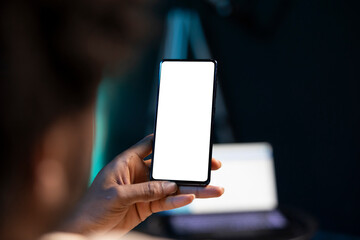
<point>188,183</point>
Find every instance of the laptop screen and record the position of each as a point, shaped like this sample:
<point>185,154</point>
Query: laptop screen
<point>248,176</point>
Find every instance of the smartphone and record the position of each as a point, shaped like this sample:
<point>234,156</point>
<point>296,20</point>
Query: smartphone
<point>182,149</point>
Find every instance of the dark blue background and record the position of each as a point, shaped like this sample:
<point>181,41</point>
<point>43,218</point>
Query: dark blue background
<point>290,75</point>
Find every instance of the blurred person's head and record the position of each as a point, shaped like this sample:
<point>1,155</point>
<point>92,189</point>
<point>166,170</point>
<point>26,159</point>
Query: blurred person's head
<point>53,54</point>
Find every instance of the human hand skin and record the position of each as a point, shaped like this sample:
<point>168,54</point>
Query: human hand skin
<point>122,196</point>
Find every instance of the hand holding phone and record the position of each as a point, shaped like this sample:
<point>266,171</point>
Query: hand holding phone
<point>185,110</point>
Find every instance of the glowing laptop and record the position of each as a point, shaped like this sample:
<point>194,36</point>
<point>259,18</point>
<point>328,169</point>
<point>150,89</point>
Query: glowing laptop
<point>248,176</point>
<point>249,204</point>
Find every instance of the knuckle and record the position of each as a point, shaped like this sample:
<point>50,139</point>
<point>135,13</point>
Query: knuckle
<point>113,194</point>
<point>127,157</point>
<point>119,193</point>
<point>153,190</point>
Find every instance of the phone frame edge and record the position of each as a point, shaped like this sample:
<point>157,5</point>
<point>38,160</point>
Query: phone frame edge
<point>179,182</point>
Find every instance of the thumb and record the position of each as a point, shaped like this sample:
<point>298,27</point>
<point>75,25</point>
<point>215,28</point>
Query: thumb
<point>148,191</point>
<point>144,147</point>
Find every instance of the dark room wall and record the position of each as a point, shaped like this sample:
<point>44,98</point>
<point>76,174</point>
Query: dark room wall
<point>290,75</point>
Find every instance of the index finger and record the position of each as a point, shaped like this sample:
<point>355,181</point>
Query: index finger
<point>202,192</point>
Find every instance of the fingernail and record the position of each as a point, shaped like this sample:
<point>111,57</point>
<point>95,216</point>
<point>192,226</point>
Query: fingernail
<point>169,187</point>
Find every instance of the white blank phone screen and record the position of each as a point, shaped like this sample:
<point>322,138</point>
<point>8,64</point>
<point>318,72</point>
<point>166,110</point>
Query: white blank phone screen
<point>183,125</point>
